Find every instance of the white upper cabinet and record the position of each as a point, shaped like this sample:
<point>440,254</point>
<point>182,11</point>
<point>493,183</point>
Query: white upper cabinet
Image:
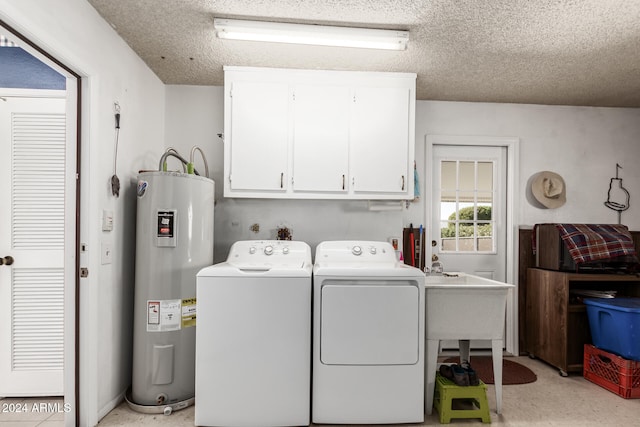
<point>320,138</point>
<point>259,129</point>
<point>318,134</point>
<point>379,140</point>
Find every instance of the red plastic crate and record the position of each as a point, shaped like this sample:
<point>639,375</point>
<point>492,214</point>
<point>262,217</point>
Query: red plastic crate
<point>617,374</point>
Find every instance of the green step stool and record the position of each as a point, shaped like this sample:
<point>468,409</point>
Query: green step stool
<point>474,396</point>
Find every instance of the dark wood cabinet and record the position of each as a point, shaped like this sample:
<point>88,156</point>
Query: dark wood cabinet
<point>557,326</point>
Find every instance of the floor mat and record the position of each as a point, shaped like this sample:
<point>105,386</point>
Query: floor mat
<point>512,372</point>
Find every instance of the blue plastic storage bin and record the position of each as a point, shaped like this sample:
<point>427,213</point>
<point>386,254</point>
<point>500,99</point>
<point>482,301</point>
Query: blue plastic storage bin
<point>615,325</point>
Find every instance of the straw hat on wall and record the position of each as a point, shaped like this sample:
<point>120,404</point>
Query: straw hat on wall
<point>548,188</point>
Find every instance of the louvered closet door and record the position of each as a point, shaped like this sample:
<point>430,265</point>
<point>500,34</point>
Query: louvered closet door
<point>32,138</point>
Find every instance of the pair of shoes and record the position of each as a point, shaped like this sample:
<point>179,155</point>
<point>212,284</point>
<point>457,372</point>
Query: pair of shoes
<point>460,375</point>
<point>473,376</point>
<point>471,373</point>
<point>446,371</point>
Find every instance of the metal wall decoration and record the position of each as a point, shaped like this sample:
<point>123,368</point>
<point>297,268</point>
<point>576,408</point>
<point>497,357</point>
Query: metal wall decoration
<point>283,233</point>
<point>618,196</point>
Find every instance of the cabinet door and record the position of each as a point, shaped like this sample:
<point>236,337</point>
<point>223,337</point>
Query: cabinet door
<point>320,138</point>
<point>259,136</point>
<point>380,140</point>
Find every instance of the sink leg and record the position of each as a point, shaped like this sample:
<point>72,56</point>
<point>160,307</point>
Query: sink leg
<point>464,346</point>
<point>496,353</point>
<point>430,374</point>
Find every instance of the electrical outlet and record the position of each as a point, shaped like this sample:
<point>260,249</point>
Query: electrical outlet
<point>106,255</point>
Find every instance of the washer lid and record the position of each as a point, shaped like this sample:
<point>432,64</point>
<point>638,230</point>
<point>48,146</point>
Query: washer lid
<point>257,267</point>
<point>274,258</point>
<point>248,270</point>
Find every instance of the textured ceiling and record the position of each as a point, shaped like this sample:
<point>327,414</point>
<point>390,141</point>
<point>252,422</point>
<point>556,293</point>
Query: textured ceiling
<point>566,52</point>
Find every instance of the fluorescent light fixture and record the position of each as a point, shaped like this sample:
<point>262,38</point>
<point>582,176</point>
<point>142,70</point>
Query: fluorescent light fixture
<point>323,35</point>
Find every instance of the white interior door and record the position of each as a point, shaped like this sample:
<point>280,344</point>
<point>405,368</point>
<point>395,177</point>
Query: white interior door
<point>32,232</point>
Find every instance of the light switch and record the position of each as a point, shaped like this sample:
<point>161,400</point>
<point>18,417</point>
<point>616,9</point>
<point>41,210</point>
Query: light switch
<point>107,220</point>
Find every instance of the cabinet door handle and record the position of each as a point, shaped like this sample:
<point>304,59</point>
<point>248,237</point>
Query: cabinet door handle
<point>281,179</point>
<point>402,182</point>
<point>343,181</point>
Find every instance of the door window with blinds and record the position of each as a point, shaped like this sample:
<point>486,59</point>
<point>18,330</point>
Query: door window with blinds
<point>467,216</point>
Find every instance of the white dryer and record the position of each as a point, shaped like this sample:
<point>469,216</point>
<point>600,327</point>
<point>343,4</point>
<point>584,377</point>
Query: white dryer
<point>368,336</point>
<point>253,337</point>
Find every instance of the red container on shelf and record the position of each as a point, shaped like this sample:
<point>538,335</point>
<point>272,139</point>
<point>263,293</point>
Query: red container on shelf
<point>614,373</point>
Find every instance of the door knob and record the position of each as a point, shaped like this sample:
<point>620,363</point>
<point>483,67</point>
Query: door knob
<point>8,260</point>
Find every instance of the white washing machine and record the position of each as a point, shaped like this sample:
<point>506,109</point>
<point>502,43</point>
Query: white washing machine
<point>368,336</point>
<point>253,337</point>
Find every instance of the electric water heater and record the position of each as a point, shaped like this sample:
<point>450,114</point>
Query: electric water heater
<point>174,240</point>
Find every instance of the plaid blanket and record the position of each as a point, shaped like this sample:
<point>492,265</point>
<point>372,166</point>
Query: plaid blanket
<point>592,242</point>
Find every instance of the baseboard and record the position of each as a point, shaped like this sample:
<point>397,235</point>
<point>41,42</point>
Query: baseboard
<point>110,406</point>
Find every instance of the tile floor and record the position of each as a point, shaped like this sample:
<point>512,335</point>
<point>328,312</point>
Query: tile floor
<point>550,401</point>
<point>32,412</point>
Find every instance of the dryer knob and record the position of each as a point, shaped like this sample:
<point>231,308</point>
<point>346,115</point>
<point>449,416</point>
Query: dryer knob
<point>285,250</point>
<point>373,250</point>
<point>356,250</point>
<point>252,250</point>
<point>268,250</point>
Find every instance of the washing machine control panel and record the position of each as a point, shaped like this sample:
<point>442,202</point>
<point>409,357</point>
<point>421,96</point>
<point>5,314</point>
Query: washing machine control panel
<point>269,251</point>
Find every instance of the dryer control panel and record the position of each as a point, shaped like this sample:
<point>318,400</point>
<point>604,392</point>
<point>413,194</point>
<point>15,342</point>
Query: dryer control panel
<point>355,251</point>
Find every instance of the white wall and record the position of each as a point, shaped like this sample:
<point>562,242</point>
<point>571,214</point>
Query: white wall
<point>75,34</point>
<point>194,118</point>
<point>582,144</point>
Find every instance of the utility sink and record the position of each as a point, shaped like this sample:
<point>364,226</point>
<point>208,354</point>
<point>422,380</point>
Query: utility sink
<point>464,307</point>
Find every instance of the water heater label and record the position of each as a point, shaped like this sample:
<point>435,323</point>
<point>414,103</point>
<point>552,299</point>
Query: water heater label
<point>188,312</point>
<point>166,223</point>
<point>166,229</point>
<point>164,315</point>
<point>153,312</point>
